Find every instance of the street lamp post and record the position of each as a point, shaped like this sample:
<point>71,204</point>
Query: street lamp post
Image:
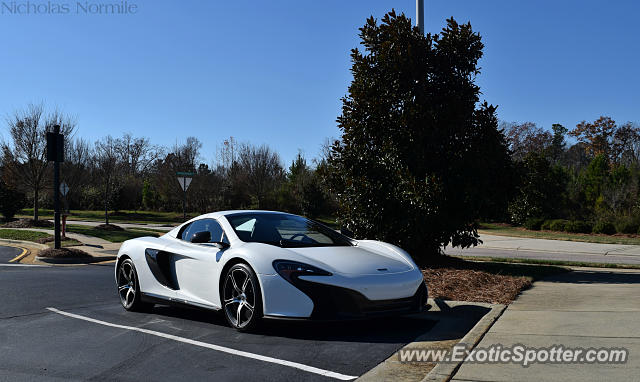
<point>420,15</point>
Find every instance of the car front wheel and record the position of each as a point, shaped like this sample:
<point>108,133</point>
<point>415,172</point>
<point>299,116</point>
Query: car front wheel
<point>242,301</point>
<point>129,287</point>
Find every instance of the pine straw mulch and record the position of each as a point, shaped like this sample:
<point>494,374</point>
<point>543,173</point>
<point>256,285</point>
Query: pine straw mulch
<point>28,223</point>
<point>64,253</point>
<point>50,239</point>
<point>457,279</point>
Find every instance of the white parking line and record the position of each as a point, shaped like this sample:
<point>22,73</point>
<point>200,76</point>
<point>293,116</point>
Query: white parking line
<point>223,349</point>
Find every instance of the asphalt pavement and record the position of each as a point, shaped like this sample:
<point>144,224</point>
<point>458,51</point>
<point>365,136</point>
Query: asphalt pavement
<point>8,253</point>
<point>88,335</point>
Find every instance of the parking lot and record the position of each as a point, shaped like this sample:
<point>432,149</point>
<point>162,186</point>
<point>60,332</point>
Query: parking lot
<point>87,335</point>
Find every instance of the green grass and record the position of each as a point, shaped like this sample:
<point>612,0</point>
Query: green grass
<point>112,236</point>
<point>19,234</point>
<point>114,216</point>
<point>553,263</point>
<point>505,230</point>
<point>26,235</point>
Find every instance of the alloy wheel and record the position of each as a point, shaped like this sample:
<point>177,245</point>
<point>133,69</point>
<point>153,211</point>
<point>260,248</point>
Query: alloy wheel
<point>239,297</point>
<point>127,284</point>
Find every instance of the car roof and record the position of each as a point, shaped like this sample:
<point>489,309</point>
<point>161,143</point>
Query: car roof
<point>234,212</point>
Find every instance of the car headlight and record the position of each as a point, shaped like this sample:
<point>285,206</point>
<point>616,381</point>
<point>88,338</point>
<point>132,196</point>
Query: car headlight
<point>290,270</point>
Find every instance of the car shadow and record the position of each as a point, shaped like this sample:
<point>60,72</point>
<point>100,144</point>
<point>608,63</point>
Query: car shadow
<point>453,324</point>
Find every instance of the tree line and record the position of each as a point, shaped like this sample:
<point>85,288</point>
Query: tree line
<point>590,185</point>
<point>132,173</point>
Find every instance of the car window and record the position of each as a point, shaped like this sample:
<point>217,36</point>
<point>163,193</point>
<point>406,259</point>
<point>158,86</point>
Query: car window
<point>246,226</point>
<point>284,230</point>
<point>201,225</point>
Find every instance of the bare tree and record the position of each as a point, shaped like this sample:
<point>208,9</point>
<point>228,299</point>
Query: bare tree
<point>108,169</point>
<point>137,154</point>
<point>76,166</point>
<point>526,137</point>
<point>25,155</point>
<point>262,171</point>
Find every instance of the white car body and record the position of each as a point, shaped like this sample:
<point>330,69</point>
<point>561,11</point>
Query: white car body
<point>190,273</point>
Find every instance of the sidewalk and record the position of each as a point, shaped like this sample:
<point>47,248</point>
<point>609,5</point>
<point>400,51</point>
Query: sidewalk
<point>157,226</point>
<point>587,308</point>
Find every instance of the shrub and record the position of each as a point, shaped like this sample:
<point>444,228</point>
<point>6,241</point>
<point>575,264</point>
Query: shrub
<point>577,226</point>
<point>546,225</point>
<point>11,201</point>
<point>557,225</point>
<point>534,224</point>
<point>626,224</point>
<point>604,227</point>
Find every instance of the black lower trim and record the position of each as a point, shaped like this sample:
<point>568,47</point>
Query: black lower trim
<point>154,299</point>
<point>337,303</point>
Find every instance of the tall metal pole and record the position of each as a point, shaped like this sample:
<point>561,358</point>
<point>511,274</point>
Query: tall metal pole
<point>56,196</point>
<point>420,15</point>
<point>184,198</point>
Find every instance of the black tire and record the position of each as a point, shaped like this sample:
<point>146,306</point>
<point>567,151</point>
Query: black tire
<point>129,288</point>
<point>241,298</point>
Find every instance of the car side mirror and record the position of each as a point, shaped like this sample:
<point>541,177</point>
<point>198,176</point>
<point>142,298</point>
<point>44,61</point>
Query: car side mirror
<point>346,232</point>
<point>201,237</point>
<point>221,244</point>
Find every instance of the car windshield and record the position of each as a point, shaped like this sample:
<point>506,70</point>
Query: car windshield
<point>284,230</point>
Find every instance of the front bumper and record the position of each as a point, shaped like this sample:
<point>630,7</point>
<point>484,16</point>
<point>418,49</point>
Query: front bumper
<point>337,303</point>
<point>342,299</point>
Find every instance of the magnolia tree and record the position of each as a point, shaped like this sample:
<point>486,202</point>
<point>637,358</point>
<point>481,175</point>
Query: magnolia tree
<point>420,158</point>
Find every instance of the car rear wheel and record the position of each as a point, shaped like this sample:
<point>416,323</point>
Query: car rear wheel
<point>129,287</point>
<point>241,298</point>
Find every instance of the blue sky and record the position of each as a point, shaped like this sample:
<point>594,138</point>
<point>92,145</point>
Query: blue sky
<point>273,71</point>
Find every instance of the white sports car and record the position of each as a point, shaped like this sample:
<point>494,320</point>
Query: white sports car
<point>264,264</point>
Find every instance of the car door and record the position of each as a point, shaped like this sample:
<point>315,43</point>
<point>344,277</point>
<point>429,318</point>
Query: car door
<point>197,263</point>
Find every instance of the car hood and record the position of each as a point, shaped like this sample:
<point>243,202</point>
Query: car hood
<point>355,260</point>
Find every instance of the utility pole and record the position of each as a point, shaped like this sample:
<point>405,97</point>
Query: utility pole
<point>420,15</point>
<point>55,154</point>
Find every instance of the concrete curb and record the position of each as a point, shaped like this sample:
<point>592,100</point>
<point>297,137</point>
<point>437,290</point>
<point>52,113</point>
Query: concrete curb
<point>390,370</point>
<point>445,371</point>
<point>80,260</point>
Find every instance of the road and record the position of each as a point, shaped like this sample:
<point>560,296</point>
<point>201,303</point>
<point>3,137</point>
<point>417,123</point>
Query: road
<point>544,255</point>
<point>544,249</point>
<point>8,253</point>
<point>92,337</point>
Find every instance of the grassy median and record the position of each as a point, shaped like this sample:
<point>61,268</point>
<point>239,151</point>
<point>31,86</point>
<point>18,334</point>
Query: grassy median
<point>114,236</point>
<point>124,216</point>
<point>34,236</point>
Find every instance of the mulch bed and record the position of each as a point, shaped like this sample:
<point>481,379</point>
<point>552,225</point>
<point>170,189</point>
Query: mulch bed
<point>28,223</point>
<point>471,285</point>
<point>64,253</point>
<point>456,279</point>
<point>51,239</point>
<point>109,227</point>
